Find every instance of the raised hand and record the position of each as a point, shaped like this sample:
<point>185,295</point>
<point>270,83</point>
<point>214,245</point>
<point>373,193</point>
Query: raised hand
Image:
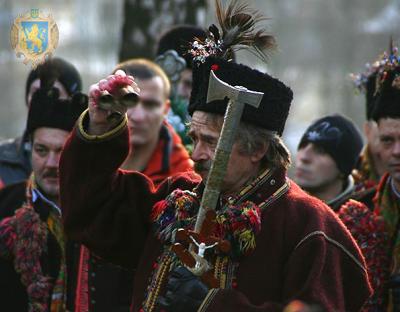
<point>108,101</point>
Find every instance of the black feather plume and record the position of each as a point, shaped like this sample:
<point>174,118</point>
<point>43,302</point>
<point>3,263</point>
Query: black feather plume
<point>240,29</point>
<point>215,32</point>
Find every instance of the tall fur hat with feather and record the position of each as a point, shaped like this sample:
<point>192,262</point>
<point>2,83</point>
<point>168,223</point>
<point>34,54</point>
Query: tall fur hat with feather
<point>387,94</point>
<point>49,111</point>
<point>373,78</point>
<point>239,29</point>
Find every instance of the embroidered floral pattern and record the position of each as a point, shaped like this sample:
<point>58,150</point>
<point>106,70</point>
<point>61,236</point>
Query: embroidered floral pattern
<point>368,229</point>
<point>24,237</point>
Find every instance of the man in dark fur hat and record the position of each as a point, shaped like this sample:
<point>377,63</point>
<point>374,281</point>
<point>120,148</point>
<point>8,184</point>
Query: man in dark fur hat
<point>33,263</point>
<point>384,258</point>
<point>370,166</point>
<point>15,165</point>
<point>387,198</point>
<point>284,244</point>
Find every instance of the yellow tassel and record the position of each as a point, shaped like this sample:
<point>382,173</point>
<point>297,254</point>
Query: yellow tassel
<point>247,240</point>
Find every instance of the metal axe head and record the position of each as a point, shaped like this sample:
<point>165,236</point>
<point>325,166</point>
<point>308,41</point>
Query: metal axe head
<point>218,90</point>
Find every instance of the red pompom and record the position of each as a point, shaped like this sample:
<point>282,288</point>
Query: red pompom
<point>214,67</point>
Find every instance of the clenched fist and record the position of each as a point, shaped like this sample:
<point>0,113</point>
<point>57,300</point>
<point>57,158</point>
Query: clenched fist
<point>109,100</point>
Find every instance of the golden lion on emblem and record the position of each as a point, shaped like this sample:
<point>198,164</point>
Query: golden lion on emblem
<point>35,38</point>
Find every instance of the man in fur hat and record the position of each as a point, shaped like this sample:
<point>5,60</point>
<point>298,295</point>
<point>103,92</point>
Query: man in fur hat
<point>33,263</point>
<point>370,166</point>
<point>15,165</point>
<point>387,198</point>
<point>383,258</point>
<point>284,244</point>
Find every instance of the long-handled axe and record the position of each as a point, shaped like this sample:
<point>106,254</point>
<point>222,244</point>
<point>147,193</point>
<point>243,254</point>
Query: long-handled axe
<point>238,97</point>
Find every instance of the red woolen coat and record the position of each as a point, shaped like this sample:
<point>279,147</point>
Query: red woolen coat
<point>302,252</point>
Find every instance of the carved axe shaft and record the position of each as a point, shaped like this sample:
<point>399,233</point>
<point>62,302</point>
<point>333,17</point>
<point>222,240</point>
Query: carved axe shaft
<point>238,97</point>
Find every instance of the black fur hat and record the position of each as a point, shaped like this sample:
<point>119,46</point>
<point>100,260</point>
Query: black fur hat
<point>369,81</point>
<point>47,110</point>
<point>274,107</point>
<point>238,30</point>
<point>370,95</point>
<point>381,84</point>
<point>55,69</point>
<point>387,102</point>
<point>178,38</point>
<point>365,82</point>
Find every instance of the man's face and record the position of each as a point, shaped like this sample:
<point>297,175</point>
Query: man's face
<point>185,84</point>
<point>47,144</point>
<point>36,85</point>
<point>205,137</point>
<point>315,169</point>
<point>146,117</point>
<point>389,135</point>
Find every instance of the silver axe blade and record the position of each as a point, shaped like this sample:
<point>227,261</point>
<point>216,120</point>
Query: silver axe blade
<point>238,97</point>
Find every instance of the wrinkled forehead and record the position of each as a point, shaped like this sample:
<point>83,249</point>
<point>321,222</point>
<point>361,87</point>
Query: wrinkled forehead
<point>206,123</point>
<point>389,127</point>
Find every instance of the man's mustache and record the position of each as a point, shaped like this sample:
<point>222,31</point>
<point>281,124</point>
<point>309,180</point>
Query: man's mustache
<point>202,166</point>
<point>51,174</point>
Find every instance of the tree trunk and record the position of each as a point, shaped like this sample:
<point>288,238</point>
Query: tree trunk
<point>146,20</point>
